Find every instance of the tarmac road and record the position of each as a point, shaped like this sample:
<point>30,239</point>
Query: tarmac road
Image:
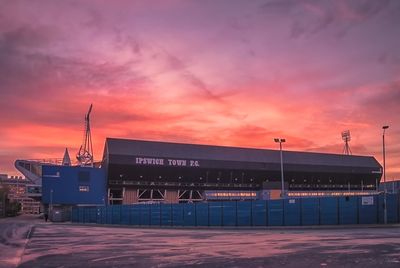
<point>14,234</point>
<point>67,245</point>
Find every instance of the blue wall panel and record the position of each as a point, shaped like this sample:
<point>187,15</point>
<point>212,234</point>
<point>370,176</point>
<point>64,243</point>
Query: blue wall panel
<point>259,213</point>
<point>75,215</point>
<point>229,213</point>
<point>310,211</point>
<point>93,215</point>
<point>202,211</point>
<point>135,215</point>
<point>144,214</point>
<point>189,216</point>
<point>81,215</point>
<point>215,212</point>
<point>392,208</point>
<point>177,214</point>
<point>275,212</point>
<point>244,213</point>
<point>125,214</point>
<point>367,209</point>
<point>155,211</point>
<point>348,210</point>
<point>109,214</point>
<point>166,214</point>
<point>116,214</point>
<point>292,212</point>
<point>328,208</point>
<point>61,184</point>
<point>103,214</point>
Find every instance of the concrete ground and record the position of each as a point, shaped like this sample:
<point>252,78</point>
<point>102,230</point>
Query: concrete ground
<point>29,242</point>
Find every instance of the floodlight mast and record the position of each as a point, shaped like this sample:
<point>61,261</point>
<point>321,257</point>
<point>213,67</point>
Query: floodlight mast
<point>85,153</point>
<point>346,138</point>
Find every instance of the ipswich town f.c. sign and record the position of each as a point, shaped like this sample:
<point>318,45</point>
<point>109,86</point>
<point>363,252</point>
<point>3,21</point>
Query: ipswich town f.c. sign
<point>166,162</point>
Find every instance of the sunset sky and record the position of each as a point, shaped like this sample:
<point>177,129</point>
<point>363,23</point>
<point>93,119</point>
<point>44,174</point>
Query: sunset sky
<point>236,73</point>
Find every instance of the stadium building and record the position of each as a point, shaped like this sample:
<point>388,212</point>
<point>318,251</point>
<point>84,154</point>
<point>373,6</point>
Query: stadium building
<point>138,171</point>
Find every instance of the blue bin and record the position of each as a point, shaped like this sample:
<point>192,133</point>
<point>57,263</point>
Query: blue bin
<point>243,213</point>
<point>368,209</point>
<point>328,211</point>
<point>275,212</point>
<point>348,210</point>
<point>189,214</point>
<point>202,214</point>
<point>310,211</point>
<point>215,213</point>
<point>166,214</point>
<point>259,213</point>
<point>229,213</point>
<point>177,215</point>
<point>292,212</point>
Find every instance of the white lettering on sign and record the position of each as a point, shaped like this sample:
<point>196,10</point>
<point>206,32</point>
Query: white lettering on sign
<point>149,161</point>
<point>167,162</point>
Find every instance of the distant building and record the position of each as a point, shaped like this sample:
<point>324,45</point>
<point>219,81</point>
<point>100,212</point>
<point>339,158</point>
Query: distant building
<point>17,191</point>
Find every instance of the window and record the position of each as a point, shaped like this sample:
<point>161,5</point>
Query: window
<point>83,188</point>
<point>84,176</point>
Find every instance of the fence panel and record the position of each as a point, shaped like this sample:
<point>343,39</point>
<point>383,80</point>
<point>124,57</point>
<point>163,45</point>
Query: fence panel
<point>292,212</point>
<point>189,218</point>
<point>229,213</point>
<point>348,210</point>
<point>134,218</point>
<point>367,209</point>
<point>81,215</point>
<point>99,215</point>
<point>275,212</point>
<point>93,215</point>
<point>215,212</point>
<point>202,214</point>
<point>166,214</point>
<point>392,208</point>
<point>144,214</point>
<point>310,211</point>
<point>125,214</point>
<point>75,214</point>
<point>244,213</point>
<point>177,214</point>
<point>155,212</point>
<point>116,211</point>
<point>259,213</point>
<point>328,211</point>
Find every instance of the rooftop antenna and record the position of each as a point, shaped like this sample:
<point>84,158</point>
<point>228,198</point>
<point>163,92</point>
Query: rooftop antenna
<point>85,153</point>
<point>346,138</point>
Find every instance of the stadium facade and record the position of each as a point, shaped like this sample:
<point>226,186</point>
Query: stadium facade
<point>138,171</point>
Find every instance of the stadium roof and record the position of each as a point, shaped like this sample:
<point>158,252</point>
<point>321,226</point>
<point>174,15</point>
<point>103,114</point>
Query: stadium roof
<point>125,147</point>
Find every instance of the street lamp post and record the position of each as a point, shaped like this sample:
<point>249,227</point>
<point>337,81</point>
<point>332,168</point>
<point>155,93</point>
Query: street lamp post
<point>384,176</point>
<point>280,141</point>
<point>51,204</point>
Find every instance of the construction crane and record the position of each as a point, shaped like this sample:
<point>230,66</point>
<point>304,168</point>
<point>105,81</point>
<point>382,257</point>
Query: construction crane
<point>85,153</point>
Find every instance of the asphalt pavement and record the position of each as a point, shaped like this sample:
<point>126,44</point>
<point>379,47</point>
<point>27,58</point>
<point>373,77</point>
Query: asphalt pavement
<point>33,243</point>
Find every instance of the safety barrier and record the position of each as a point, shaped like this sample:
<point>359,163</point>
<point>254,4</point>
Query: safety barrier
<point>282,212</point>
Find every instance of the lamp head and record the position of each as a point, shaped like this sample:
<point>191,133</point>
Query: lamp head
<point>385,127</point>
